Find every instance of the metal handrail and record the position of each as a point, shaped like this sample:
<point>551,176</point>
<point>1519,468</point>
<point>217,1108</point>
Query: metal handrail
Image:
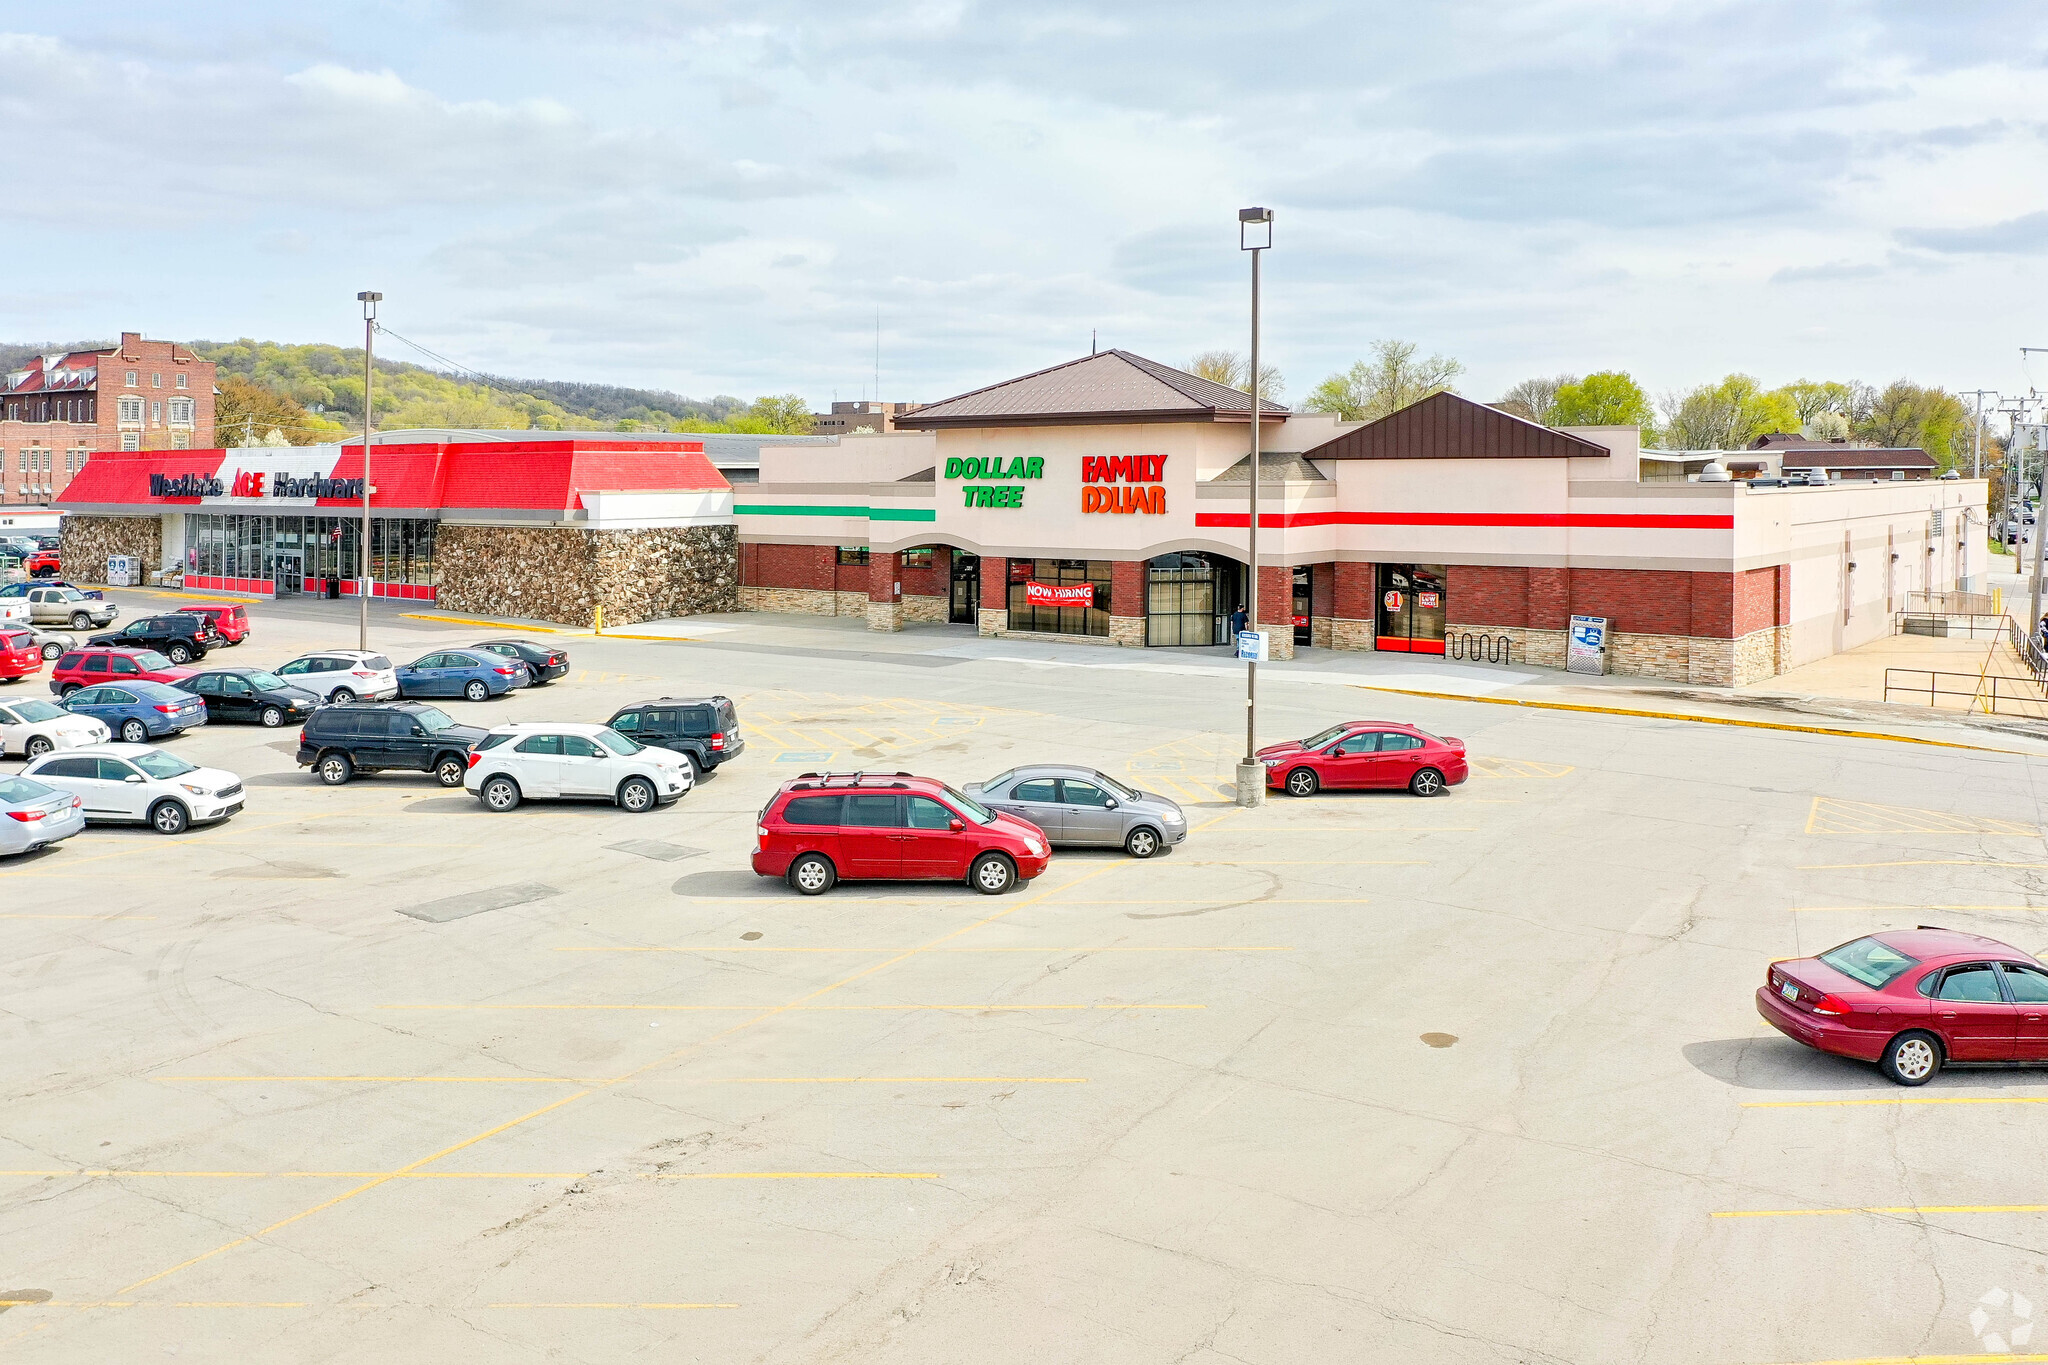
<point>1969,625</point>
<point>1995,693</point>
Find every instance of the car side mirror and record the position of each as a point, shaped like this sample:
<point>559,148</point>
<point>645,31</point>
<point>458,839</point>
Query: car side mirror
<point>419,731</point>
<point>1110,804</point>
<point>131,778</point>
<point>1340,753</point>
<point>955,825</point>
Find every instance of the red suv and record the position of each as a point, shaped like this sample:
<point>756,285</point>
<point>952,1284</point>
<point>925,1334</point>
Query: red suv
<point>1366,753</point>
<point>1912,1000</point>
<point>42,564</point>
<point>895,827</point>
<point>231,619</point>
<point>20,655</point>
<point>91,667</point>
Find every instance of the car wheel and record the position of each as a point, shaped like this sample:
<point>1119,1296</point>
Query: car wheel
<point>69,688</point>
<point>1428,782</point>
<point>696,770</point>
<point>80,621</point>
<point>500,794</point>
<point>37,746</point>
<point>992,874</point>
<point>475,690</point>
<point>449,769</point>
<point>168,817</point>
<point>1142,842</point>
<point>272,717</point>
<point>1301,782</point>
<point>334,769</point>
<point>53,650</point>
<point>636,794</point>
<point>341,695</point>
<point>812,874</point>
<point>178,654</point>
<point>134,732</point>
<point>1911,1058</point>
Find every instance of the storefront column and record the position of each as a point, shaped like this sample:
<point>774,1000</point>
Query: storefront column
<point>1353,585</point>
<point>995,595</point>
<point>1127,579</point>
<point>1276,609</point>
<point>885,592</point>
<point>1322,594</point>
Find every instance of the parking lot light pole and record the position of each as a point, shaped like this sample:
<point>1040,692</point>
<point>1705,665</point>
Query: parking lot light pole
<point>369,301</point>
<point>1254,234</point>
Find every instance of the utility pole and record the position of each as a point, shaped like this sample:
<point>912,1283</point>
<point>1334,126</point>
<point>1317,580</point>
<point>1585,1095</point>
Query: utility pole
<point>1254,234</point>
<point>369,301</point>
<point>1977,431</point>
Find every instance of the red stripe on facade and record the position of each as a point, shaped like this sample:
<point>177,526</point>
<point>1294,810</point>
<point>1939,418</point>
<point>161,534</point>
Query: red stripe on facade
<point>1579,520</point>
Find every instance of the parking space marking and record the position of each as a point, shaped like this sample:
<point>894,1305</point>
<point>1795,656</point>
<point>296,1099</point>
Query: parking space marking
<point>1831,816</point>
<point>760,1016</point>
<point>1488,766</point>
<point>142,1303</point>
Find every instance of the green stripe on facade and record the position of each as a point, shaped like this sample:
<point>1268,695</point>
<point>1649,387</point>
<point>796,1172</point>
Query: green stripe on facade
<point>871,513</point>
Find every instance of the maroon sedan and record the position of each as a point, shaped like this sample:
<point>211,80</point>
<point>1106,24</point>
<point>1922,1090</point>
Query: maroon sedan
<point>1366,753</point>
<point>1912,1001</point>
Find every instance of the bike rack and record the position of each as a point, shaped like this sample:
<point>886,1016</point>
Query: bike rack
<point>1491,649</point>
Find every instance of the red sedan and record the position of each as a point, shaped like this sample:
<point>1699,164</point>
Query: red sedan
<point>1366,753</point>
<point>1913,1001</point>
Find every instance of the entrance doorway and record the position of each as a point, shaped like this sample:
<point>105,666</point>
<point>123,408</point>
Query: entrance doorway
<point>1412,607</point>
<point>291,575</point>
<point>1303,603</point>
<point>1189,597</point>
<point>964,606</point>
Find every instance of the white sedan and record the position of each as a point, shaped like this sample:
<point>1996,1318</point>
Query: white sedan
<point>32,728</point>
<point>136,784</point>
<point>548,760</point>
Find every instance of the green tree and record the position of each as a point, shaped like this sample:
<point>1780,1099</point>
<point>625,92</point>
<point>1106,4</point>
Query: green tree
<point>1232,369</point>
<point>1725,416</point>
<point>1535,400</point>
<point>1606,398</point>
<point>1906,414</point>
<point>245,413</point>
<point>1387,382</point>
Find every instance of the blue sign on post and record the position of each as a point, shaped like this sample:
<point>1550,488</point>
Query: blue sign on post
<point>1251,645</point>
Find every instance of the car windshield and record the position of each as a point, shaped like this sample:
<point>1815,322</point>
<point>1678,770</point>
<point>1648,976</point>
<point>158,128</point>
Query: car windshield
<point>149,661</point>
<point>1873,963</point>
<point>1318,741</point>
<point>618,743</point>
<point>974,810</point>
<point>72,595</point>
<point>434,720</point>
<point>157,763</point>
<point>21,789</point>
<point>32,710</point>
<point>377,661</point>
<point>268,682</point>
<point>1116,788</point>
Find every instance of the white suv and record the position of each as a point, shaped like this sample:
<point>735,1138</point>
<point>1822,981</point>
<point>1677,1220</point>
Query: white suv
<point>543,760</point>
<point>139,784</point>
<point>340,675</point>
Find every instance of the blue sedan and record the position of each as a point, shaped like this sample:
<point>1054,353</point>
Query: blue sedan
<point>138,711</point>
<point>475,674</point>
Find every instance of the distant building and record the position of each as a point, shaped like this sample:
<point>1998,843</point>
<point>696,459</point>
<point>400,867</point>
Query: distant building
<point>847,418</point>
<point>59,409</point>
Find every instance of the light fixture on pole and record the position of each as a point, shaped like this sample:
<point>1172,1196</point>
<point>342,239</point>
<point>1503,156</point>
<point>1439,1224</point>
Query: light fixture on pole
<point>369,301</point>
<point>1254,234</point>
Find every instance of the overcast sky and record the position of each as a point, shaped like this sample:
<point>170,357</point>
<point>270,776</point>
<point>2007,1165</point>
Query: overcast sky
<point>713,197</point>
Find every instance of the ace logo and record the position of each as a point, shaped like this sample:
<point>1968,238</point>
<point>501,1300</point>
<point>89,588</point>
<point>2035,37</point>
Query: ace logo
<point>246,485</point>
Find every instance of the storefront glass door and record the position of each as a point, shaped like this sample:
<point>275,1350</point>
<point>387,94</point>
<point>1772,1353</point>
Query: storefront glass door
<point>1303,598</point>
<point>1189,597</point>
<point>1412,606</point>
<point>964,606</point>
<point>291,578</point>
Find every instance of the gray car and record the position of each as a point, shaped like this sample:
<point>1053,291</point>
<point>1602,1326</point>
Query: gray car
<point>50,606</point>
<point>36,815</point>
<point>1083,807</point>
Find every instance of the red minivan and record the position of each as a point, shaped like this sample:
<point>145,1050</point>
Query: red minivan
<point>91,667</point>
<point>825,827</point>
<point>231,619</point>
<point>20,656</point>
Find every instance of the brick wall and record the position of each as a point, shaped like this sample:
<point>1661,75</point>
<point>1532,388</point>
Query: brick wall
<point>1322,590</point>
<point>1127,587</point>
<point>1762,597</point>
<point>1352,587</point>
<point>1485,594</point>
<point>85,542</point>
<point>554,574</point>
<point>1637,601</point>
<point>932,580</point>
<point>885,573</point>
<point>790,566</point>
<point>995,587</point>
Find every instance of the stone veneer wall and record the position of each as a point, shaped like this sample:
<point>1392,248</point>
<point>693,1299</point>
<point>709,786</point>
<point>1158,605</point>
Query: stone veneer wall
<point>925,611</point>
<point>804,601</point>
<point>85,542</point>
<point>1350,634</point>
<point>1699,661</point>
<point>994,621</point>
<point>563,574</point>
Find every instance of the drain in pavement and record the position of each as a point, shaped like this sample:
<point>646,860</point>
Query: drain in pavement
<point>657,850</point>
<point>476,902</point>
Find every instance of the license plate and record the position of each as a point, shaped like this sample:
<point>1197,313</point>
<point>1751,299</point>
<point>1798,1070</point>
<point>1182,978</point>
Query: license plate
<point>1790,990</point>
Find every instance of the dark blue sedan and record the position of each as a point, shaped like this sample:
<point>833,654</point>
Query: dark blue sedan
<point>138,711</point>
<point>474,674</point>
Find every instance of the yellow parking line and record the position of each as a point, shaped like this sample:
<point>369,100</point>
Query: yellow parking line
<point>146,1303</point>
<point>495,625</point>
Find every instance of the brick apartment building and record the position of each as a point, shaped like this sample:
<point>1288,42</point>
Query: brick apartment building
<point>847,418</point>
<point>58,409</point>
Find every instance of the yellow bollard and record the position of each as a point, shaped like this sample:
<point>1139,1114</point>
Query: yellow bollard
<point>597,622</point>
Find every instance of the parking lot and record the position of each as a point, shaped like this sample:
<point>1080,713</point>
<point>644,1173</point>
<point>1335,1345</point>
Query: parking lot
<point>371,1074</point>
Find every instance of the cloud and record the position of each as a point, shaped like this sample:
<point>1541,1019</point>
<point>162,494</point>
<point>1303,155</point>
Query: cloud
<point>1832,273</point>
<point>2026,235</point>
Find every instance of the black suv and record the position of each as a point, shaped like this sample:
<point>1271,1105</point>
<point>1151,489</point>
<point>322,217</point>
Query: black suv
<point>341,741</point>
<point>705,730</point>
<point>180,636</point>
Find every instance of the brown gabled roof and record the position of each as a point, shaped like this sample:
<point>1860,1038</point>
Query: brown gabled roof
<point>1444,426</point>
<point>1110,386</point>
<point>1854,457</point>
<point>1788,440</point>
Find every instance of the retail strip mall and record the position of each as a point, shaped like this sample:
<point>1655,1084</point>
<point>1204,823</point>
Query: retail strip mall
<point>1123,482</point>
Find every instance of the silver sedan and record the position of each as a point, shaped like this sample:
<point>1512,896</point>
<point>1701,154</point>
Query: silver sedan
<point>34,815</point>
<point>1080,806</point>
